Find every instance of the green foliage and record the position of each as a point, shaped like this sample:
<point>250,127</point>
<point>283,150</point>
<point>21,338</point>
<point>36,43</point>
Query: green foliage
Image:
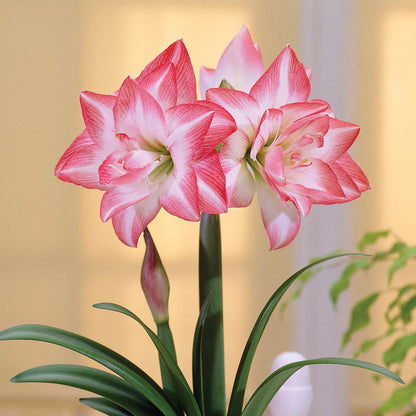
<point>360,317</point>
<point>240,381</point>
<point>371,238</point>
<point>398,351</point>
<point>104,406</point>
<point>264,394</point>
<point>131,392</point>
<point>111,387</point>
<point>344,282</point>
<point>394,256</point>
<point>399,399</point>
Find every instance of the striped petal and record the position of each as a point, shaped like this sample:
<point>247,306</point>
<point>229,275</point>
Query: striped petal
<point>80,163</point>
<point>130,222</point>
<point>222,126</point>
<point>161,84</point>
<point>211,184</point>
<point>281,222</point>
<point>317,180</point>
<point>97,110</point>
<point>240,182</point>
<point>241,65</point>
<point>122,197</point>
<point>354,172</point>
<point>187,125</point>
<point>284,82</point>
<point>267,131</point>
<point>244,108</point>
<point>338,139</point>
<point>139,116</point>
<point>179,194</point>
<point>176,54</point>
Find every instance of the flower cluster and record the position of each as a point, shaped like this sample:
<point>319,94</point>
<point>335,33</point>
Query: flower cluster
<point>152,144</point>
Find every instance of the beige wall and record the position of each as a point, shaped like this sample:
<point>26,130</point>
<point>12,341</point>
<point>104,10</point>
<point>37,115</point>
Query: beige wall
<point>56,257</point>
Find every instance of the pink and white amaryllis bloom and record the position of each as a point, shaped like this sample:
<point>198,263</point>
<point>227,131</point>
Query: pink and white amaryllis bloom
<point>147,147</point>
<point>292,151</point>
<point>241,65</point>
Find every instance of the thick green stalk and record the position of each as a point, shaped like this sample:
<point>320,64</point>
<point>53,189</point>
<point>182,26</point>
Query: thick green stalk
<point>210,282</point>
<point>165,335</point>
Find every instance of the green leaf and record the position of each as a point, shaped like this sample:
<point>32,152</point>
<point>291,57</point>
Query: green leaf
<point>407,309</point>
<point>397,302</point>
<point>303,279</point>
<point>371,237</point>
<point>198,381</point>
<point>266,391</point>
<point>395,248</point>
<point>184,394</point>
<point>367,345</point>
<point>96,381</point>
<point>397,352</point>
<point>105,406</point>
<point>360,317</point>
<point>98,352</point>
<point>401,261</point>
<point>343,283</point>
<point>240,381</point>
<point>400,398</point>
<point>370,343</point>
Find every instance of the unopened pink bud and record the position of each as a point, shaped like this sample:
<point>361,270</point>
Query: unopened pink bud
<point>154,281</point>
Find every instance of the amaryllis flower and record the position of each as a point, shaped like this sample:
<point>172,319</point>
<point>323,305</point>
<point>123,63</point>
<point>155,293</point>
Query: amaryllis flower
<point>149,146</point>
<point>241,65</point>
<point>292,151</point>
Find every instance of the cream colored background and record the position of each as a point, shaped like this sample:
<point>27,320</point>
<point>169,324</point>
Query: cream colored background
<point>57,258</point>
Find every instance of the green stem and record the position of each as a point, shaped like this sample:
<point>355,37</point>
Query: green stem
<point>210,282</point>
<point>165,335</point>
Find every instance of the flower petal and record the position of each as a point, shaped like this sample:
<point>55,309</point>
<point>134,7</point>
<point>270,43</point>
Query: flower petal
<point>295,111</point>
<point>240,105</point>
<point>240,182</point>
<point>222,126</point>
<point>120,198</point>
<point>354,172</point>
<point>97,110</point>
<point>130,222</point>
<point>267,131</point>
<point>80,162</point>
<point>317,180</point>
<point>207,80</point>
<point>176,54</point>
<point>139,116</point>
<point>179,194</point>
<point>211,184</point>
<point>338,139</point>
<point>284,82</point>
<point>161,84</point>
<point>281,222</point>
<point>187,125</point>
<point>241,65</point>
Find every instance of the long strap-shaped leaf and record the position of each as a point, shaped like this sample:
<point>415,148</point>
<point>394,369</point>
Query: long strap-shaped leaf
<point>198,382</point>
<point>184,392</point>
<point>240,382</point>
<point>105,406</point>
<point>98,352</point>
<point>264,394</point>
<point>96,381</point>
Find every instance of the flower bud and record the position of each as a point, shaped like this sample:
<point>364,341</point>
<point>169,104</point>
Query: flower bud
<point>154,281</point>
<point>294,398</point>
